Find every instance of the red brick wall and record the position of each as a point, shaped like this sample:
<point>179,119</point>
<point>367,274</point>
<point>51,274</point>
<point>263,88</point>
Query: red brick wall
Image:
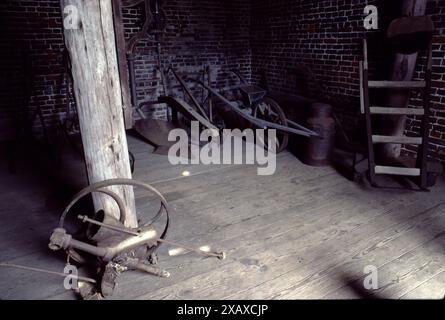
<point>437,125</point>
<point>30,29</point>
<point>312,48</point>
<point>309,48</point>
<point>198,33</point>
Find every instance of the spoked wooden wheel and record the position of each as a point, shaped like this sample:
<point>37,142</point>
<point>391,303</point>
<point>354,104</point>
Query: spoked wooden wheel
<point>269,110</point>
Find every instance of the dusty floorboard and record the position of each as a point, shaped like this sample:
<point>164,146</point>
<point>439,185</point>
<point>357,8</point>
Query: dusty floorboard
<point>304,232</point>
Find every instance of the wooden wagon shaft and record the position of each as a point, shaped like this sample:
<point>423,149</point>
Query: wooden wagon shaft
<point>259,122</point>
<point>186,110</point>
<point>189,93</point>
<point>294,124</point>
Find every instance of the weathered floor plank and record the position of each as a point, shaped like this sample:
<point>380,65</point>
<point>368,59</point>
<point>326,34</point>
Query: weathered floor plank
<point>404,273</point>
<point>303,232</point>
<point>284,265</point>
<point>432,288</point>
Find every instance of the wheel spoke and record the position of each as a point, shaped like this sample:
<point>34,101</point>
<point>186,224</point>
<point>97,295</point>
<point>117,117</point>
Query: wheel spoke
<point>267,109</point>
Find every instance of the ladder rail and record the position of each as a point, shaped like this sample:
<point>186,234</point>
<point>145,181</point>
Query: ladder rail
<point>422,156</point>
<point>366,102</point>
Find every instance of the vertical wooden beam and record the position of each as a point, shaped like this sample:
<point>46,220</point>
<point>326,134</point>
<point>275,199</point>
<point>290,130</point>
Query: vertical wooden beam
<point>91,44</point>
<point>403,67</point>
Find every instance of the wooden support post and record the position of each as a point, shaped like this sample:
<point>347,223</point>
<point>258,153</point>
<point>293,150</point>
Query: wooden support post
<point>91,43</point>
<point>402,70</point>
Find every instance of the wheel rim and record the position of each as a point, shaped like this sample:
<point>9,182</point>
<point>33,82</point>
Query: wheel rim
<point>268,110</point>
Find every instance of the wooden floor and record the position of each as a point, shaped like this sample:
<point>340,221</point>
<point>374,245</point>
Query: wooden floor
<point>302,233</point>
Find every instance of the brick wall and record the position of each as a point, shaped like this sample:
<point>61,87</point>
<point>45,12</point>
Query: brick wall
<point>437,126</point>
<point>31,39</point>
<point>312,48</point>
<point>308,48</point>
<point>198,33</point>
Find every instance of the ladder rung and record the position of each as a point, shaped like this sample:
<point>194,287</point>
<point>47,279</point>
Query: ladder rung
<point>397,111</point>
<point>414,172</point>
<point>396,139</point>
<point>397,84</point>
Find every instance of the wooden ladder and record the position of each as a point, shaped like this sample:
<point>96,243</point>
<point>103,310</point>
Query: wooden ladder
<point>420,170</point>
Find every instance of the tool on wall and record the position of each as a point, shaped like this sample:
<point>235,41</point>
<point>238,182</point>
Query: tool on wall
<point>116,247</point>
<point>407,35</point>
<point>153,27</point>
